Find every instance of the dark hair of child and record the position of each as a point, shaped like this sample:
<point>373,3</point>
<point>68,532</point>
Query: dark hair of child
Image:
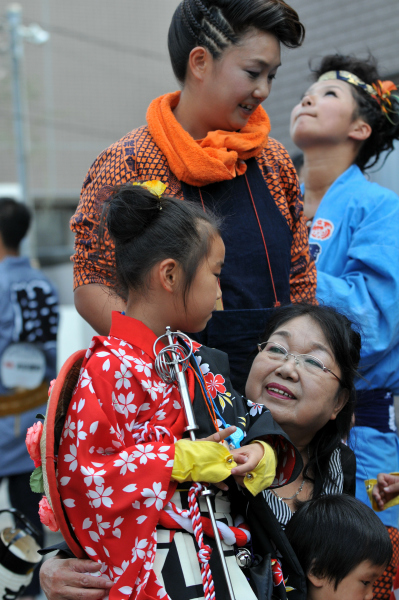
<point>15,218</point>
<point>147,229</point>
<point>216,24</point>
<point>385,129</point>
<point>331,535</point>
<point>345,343</point>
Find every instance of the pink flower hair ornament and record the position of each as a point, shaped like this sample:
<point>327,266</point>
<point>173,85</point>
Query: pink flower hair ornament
<point>46,515</point>
<point>32,441</point>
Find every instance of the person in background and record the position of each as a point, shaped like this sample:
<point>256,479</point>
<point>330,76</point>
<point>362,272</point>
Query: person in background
<point>337,568</point>
<point>210,143</point>
<point>345,121</point>
<point>28,335</point>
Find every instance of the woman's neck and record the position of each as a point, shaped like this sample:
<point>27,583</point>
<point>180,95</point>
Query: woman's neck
<point>189,115</point>
<point>322,166</point>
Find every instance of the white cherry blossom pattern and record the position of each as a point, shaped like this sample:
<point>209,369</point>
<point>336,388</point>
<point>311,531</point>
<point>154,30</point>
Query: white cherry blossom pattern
<point>203,366</point>
<point>126,462</point>
<point>88,351</point>
<point>124,404</point>
<point>160,415</point>
<point>144,453</point>
<point>124,343</point>
<point>120,570</point>
<point>161,452</point>
<point>102,525</point>
<point>69,428</point>
<point>71,458</point>
<point>91,476</point>
<point>101,496</point>
<point>81,435</point>
<point>125,359</point>
<point>153,388</point>
<point>86,381</point>
<point>255,409</point>
<point>155,496</point>
<point>122,378</point>
<point>107,363</point>
<point>120,433</point>
<point>115,527</point>
<point>103,451</point>
<point>138,550</point>
<point>142,366</point>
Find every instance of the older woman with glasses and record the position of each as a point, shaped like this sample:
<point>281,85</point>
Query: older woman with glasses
<point>304,374</point>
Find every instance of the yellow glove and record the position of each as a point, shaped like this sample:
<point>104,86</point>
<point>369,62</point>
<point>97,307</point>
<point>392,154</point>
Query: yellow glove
<point>265,471</point>
<point>209,462</point>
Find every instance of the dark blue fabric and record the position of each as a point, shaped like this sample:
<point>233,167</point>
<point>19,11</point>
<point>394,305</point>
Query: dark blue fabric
<point>373,410</point>
<point>246,284</point>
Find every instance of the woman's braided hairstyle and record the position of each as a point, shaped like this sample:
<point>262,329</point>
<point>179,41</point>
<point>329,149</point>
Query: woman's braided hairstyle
<point>216,24</point>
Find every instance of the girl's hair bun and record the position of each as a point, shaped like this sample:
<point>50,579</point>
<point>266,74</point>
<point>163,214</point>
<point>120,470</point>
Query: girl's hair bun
<point>147,227</point>
<point>131,209</point>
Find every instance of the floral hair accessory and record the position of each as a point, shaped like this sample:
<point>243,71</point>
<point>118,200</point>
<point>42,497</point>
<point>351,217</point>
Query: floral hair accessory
<point>380,90</point>
<point>156,187</point>
<point>382,93</point>
<point>32,441</point>
<point>46,515</point>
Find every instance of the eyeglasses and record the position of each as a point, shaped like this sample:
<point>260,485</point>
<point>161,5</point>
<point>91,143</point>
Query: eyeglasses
<point>307,362</point>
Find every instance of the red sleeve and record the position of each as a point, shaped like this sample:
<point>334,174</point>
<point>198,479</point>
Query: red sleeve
<point>114,482</point>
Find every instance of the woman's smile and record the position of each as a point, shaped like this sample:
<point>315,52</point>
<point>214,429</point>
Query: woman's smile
<point>279,391</point>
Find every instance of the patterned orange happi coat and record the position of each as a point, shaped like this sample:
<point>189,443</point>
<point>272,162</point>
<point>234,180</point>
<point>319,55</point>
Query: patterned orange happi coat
<point>136,157</point>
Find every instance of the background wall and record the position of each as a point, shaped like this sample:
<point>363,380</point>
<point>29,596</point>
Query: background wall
<point>105,61</point>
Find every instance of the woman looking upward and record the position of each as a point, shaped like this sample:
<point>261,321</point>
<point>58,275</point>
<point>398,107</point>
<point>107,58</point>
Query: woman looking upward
<point>345,121</point>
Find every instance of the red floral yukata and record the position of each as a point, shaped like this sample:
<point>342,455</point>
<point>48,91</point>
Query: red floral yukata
<point>116,456</point>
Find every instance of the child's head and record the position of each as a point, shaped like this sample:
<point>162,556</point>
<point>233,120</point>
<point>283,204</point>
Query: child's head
<point>342,547</point>
<point>15,219</point>
<point>177,236</point>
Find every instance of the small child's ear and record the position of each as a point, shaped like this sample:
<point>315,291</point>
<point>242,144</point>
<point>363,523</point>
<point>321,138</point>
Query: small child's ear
<point>168,272</point>
<point>317,582</point>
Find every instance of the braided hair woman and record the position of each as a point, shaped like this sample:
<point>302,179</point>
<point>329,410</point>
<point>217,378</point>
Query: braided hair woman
<point>210,143</point>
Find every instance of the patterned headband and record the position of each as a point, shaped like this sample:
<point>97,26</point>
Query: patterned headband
<point>380,91</point>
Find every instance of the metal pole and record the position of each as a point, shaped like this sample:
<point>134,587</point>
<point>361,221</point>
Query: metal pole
<point>14,12</point>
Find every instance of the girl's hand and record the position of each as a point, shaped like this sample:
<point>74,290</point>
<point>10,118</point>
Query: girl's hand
<point>247,459</point>
<point>220,436</point>
<point>386,488</point>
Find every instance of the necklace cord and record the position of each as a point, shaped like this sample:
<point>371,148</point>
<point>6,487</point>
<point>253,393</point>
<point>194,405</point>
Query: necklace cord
<point>276,302</point>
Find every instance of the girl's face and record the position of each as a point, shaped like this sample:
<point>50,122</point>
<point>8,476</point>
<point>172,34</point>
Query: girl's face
<point>204,291</point>
<point>325,115</point>
<point>301,402</point>
<point>237,82</point>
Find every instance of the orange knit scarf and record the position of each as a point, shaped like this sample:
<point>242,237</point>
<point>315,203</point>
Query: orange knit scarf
<point>218,157</point>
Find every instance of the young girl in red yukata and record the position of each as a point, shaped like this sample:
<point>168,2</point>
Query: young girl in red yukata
<point>126,468</point>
